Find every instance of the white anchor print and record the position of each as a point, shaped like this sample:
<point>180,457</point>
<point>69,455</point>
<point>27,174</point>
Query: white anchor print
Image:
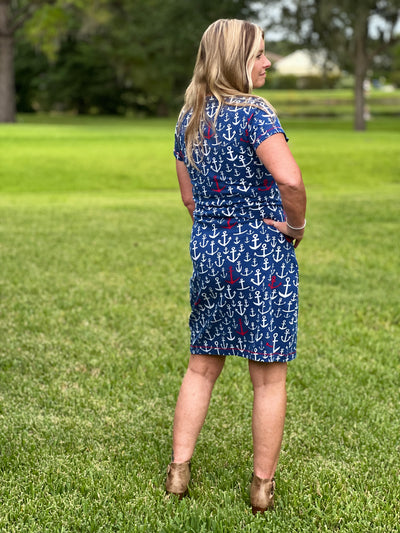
<point>241,309</point>
<point>215,166</point>
<point>220,261</point>
<point>242,286</point>
<point>244,186</point>
<point>224,240</point>
<point>194,248</point>
<point>212,251</point>
<point>259,280</point>
<point>229,293</point>
<point>239,227</point>
<point>203,242</point>
<point>233,257</point>
<point>230,151</point>
<point>256,224</point>
<point>229,135</point>
<point>263,251</point>
<point>230,336</point>
<point>266,266</point>
<point>278,255</point>
<point>258,336</point>
<point>255,242</point>
<point>286,294</point>
<point>257,299</point>
<point>247,272</point>
<point>230,312</point>
<point>243,162</point>
<point>283,273</point>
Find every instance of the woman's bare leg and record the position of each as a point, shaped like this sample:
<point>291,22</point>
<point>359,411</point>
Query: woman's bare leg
<point>193,401</point>
<point>269,410</point>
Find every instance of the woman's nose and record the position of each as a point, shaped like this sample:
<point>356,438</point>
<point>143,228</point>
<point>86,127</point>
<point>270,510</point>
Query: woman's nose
<point>267,62</point>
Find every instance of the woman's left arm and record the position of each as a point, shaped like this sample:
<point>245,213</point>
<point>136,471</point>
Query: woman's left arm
<point>185,186</point>
<point>278,159</point>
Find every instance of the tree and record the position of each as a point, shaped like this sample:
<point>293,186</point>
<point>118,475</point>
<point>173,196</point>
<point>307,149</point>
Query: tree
<point>353,32</point>
<point>154,44</point>
<point>10,20</point>
<point>13,15</point>
<point>50,25</point>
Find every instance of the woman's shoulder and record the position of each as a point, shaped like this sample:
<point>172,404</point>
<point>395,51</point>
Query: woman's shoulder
<point>263,105</point>
<point>251,102</point>
<point>183,119</point>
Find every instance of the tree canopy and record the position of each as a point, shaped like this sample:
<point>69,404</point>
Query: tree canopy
<point>121,56</point>
<point>353,32</point>
<point>106,56</point>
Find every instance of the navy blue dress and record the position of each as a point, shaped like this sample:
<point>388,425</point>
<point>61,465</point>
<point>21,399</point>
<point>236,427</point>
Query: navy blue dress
<point>244,287</point>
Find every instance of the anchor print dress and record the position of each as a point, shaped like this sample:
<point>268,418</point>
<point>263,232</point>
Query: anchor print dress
<point>244,286</point>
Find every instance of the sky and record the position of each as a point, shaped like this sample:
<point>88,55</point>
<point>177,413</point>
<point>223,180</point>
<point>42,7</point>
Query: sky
<point>268,12</point>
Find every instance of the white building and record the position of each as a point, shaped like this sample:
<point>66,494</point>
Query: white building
<point>305,63</point>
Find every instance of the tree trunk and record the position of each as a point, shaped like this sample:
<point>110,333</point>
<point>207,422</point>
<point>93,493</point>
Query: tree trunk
<point>359,100</point>
<point>7,82</point>
<point>361,65</point>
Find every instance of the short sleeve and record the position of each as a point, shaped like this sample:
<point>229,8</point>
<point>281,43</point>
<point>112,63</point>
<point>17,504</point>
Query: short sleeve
<point>262,124</point>
<point>178,153</point>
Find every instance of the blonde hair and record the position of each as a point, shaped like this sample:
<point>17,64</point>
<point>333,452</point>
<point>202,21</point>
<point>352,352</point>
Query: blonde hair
<point>224,63</point>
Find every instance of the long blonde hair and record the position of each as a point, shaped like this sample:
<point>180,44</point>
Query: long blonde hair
<point>224,63</point>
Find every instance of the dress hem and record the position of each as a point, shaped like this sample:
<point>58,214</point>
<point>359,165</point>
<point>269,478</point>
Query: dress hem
<point>247,354</point>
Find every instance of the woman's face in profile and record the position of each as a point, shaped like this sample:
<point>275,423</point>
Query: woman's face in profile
<point>261,64</point>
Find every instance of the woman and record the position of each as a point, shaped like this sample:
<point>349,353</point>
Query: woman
<point>245,194</point>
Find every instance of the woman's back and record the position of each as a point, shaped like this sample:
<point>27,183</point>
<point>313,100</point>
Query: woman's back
<point>230,181</point>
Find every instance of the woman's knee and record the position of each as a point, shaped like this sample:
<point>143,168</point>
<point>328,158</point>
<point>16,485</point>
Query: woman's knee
<point>208,367</point>
<point>267,374</point>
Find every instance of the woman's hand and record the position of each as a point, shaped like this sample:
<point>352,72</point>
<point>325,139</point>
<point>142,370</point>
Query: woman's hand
<point>295,235</point>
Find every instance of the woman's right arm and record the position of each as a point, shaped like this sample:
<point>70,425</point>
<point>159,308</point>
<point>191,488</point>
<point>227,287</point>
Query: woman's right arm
<point>279,161</point>
<point>185,186</point>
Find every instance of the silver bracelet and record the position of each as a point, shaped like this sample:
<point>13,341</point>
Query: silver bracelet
<point>297,229</point>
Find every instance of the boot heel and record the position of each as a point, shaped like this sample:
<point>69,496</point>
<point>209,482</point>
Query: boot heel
<point>178,477</point>
<point>262,494</point>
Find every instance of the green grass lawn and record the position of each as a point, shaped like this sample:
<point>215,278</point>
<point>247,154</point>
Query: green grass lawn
<point>94,338</point>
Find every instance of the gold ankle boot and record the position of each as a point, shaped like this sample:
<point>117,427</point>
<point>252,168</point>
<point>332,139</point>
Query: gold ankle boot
<point>262,494</point>
<point>178,476</point>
